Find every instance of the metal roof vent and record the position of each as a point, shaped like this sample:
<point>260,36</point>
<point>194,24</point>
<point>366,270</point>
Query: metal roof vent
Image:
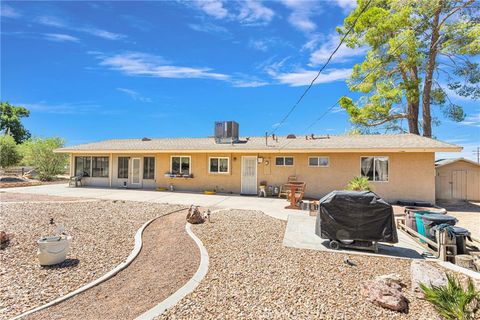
<point>291,136</point>
<point>146,139</point>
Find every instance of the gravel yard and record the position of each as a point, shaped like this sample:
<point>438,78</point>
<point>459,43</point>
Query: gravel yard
<point>168,259</point>
<point>251,275</point>
<point>21,197</point>
<point>103,236</point>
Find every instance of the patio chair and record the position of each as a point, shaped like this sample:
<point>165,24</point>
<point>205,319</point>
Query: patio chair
<point>283,190</point>
<point>76,180</point>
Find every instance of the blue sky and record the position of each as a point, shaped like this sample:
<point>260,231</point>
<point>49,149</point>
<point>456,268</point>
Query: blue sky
<point>96,70</point>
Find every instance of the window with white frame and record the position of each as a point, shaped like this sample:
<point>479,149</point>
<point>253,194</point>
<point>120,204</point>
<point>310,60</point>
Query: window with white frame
<point>219,165</point>
<point>284,161</point>
<point>180,165</point>
<point>122,167</point>
<point>149,168</point>
<point>374,168</point>
<point>83,166</point>
<point>100,167</point>
<point>318,161</point>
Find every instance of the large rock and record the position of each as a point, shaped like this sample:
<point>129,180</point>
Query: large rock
<point>194,216</point>
<point>386,291</point>
<point>423,272</point>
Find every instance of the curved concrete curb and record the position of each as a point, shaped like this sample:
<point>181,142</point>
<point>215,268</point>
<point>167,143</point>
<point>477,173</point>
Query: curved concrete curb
<point>188,287</point>
<point>105,277</point>
<point>448,265</point>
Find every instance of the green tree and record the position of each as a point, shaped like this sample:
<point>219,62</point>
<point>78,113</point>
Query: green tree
<point>9,154</point>
<point>416,49</point>
<point>10,121</point>
<point>40,154</point>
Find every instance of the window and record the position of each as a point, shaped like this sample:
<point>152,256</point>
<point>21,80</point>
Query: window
<point>219,165</point>
<point>82,166</point>
<point>284,161</point>
<point>374,168</point>
<point>148,168</point>
<point>123,167</point>
<point>318,161</point>
<point>100,167</point>
<point>180,165</point>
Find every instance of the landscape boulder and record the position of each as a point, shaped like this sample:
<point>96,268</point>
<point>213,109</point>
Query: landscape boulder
<point>423,272</point>
<point>386,291</point>
<point>194,216</point>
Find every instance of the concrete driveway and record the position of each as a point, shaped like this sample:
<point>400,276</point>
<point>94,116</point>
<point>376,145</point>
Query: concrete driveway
<point>273,207</point>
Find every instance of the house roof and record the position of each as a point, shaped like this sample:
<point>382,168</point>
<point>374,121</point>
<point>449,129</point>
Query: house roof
<point>335,143</point>
<point>444,162</point>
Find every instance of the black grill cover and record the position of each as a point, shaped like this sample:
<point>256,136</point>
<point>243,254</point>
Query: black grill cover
<point>355,215</point>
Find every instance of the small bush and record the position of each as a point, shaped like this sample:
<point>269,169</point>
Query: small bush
<point>40,154</point>
<point>359,184</point>
<point>452,301</point>
<point>9,154</point>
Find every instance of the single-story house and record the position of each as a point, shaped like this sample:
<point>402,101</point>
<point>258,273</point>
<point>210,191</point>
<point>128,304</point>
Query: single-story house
<point>457,179</point>
<point>398,166</point>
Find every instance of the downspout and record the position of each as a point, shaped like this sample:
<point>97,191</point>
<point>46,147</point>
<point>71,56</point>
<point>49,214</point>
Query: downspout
<point>72,169</point>
<point>110,169</point>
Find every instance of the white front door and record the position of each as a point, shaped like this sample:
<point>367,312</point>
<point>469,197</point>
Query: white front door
<point>136,178</point>
<point>249,175</point>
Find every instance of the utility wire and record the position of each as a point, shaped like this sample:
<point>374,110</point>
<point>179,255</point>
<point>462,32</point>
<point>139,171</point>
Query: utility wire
<point>321,69</point>
<point>355,86</point>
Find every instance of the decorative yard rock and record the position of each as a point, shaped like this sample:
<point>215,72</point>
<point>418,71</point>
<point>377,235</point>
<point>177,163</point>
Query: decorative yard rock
<point>386,291</point>
<point>423,272</point>
<point>194,216</point>
<point>4,239</point>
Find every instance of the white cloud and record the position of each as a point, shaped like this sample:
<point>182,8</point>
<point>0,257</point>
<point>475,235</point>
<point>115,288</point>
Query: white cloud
<point>63,108</point>
<point>134,95</point>
<point>253,11</point>
<point>102,33</point>
<point>142,64</point>
<point>346,5</point>
<point>472,120</point>
<point>258,44</point>
<point>213,8</point>
<point>343,54</point>
<point>209,28</point>
<point>9,12</point>
<point>249,84</point>
<point>304,77</point>
<point>59,23</point>
<point>51,21</point>
<point>59,37</point>
<point>302,12</point>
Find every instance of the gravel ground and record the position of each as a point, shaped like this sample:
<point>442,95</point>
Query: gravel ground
<point>103,236</point>
<point>169,258</point>
<point>20,197</point>
<point>252,276</point>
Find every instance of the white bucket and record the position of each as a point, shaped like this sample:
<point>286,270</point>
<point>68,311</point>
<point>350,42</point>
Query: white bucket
<point>53,250</point>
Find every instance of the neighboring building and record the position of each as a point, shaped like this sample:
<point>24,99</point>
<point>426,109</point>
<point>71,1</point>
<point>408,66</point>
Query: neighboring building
<point>399,166</point>
<point>457,179</point>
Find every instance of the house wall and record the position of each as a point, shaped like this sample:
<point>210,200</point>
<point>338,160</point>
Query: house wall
<point>467,184</point>
<point>411,175</point>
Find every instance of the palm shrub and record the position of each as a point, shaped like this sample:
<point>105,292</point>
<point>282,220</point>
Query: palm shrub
<point>452,301</point>
<point>359,184</point>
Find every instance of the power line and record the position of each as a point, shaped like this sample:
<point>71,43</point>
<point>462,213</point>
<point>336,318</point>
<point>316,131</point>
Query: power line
<point>321,69</point>
<point>363,79</point>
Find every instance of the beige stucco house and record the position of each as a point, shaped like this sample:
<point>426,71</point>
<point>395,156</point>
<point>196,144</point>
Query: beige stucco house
<point>457,179</point>
<point>399,166</point>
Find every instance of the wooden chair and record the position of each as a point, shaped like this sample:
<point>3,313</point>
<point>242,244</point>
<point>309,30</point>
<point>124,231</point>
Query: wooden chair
<point>295,193</point>
<point>284,191</point>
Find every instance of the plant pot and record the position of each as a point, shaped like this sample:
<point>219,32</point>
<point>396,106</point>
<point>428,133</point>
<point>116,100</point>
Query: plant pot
<point>53,250</point>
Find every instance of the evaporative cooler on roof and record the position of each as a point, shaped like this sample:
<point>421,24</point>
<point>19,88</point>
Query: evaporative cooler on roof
<point>226,132</point>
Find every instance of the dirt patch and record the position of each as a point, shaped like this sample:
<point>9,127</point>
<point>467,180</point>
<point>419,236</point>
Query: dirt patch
<point>167,261</point>
<point>28,197</point>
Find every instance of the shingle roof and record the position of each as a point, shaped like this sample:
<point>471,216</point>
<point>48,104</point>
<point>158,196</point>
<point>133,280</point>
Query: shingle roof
<point>444,162</point>
<point>395,142</point>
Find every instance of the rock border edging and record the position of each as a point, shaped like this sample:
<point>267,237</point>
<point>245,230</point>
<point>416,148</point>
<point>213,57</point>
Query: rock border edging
<point>133,254</point>
<point>187,287</point>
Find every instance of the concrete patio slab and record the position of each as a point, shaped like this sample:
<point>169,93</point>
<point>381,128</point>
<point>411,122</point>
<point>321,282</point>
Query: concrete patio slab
<point>273,207</point>
<point>300,233</point>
